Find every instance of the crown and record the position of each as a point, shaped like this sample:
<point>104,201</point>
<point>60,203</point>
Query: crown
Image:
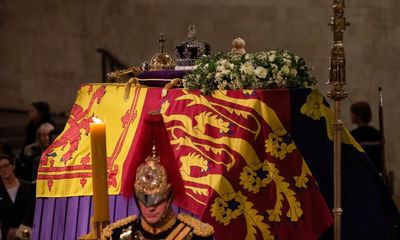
<point>188,51</point>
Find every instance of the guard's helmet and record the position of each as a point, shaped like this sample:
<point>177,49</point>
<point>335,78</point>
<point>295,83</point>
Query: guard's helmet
<point>151,183</point>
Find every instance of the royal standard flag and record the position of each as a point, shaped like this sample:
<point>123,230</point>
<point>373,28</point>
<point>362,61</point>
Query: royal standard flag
<point>242,172</point>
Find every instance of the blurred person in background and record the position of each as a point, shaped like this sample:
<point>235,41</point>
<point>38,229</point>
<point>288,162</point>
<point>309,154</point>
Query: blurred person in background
<point>366,135</point>
<point>17,201</point>
<point>38,114</point>
<point>33,152</point>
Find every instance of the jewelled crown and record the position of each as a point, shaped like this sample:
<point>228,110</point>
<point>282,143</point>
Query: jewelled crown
<point>188,51</point>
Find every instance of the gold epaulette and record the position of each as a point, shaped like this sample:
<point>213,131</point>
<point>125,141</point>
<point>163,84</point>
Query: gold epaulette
<point>108,231</point>
<point>199,228</point>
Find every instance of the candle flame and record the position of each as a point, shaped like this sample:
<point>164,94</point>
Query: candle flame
<point>96,120</point>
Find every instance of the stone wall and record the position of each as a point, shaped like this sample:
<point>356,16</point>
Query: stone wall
<point>48,47</point>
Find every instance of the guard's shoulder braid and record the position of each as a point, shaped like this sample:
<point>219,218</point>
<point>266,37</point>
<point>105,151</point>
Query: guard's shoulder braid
<point>199,228</point>
<point>108,231</point>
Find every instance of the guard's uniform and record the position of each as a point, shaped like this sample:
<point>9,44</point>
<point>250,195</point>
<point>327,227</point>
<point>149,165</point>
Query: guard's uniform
<point>151,189</point>
<point>176,227</point>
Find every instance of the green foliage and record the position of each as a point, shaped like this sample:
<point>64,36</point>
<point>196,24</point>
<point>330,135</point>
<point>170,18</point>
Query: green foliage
<point>260,70</point>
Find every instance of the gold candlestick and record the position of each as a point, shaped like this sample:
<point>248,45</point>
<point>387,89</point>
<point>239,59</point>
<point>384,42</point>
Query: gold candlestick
<point>337,78</point>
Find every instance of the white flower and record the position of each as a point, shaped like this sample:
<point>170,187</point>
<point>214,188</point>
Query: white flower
<point>288,62</point>
<point>218,76</point>
<point>285,54</point>
<point>261,72</point>
<point>285,70</point>
<point>220,68</point>
<point>279,78</point>
<point>247,68</point>
<point>296,58</point>
<point>271,58</point>
<point>274,68</point>
<point>226,72</point>
<point>225,63</point>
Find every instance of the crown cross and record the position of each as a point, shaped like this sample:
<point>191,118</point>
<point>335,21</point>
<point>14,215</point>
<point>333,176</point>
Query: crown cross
<point>161,41</point>
<point>192,32</point>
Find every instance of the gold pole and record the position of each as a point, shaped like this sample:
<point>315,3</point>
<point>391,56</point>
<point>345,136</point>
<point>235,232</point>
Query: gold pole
<point>337,78</point>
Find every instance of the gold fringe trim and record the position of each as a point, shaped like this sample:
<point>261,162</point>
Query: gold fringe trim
<point>108,231</point>
<point>199,228</point>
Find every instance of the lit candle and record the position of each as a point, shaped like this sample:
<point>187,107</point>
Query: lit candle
<point>99,171</point>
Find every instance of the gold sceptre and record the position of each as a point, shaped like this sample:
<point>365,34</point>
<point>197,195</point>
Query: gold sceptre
<point>118,76</point>
<point>337,79</point>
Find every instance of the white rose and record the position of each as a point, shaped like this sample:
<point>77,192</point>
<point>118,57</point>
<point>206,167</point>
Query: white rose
<point>285,70</point>
<point>247,68</point>
<point>261,72</point>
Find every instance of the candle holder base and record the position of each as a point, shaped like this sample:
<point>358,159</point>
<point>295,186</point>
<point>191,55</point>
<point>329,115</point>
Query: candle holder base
<point>96,229</point>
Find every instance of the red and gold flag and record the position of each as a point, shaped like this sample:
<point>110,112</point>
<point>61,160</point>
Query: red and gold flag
<point>242,171</point>
<point>233,152</point>
<point>65,167</point>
